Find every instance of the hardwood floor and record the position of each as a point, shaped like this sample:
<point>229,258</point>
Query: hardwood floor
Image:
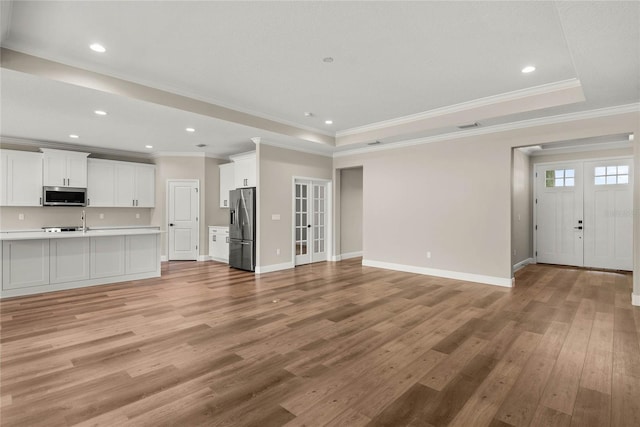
<point>328,344</point>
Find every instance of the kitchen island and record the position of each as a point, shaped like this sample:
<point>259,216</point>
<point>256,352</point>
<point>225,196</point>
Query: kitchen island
<point>36,261</point>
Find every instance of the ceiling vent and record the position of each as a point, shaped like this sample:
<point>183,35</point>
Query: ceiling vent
<point>201,145</point>
<point>469,126</point>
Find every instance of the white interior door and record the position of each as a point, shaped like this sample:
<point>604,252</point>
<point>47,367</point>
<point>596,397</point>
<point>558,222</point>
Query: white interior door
<point>310,221</point>
<point>183,205</point>
<point>608,225</point>
<point>559,214</point>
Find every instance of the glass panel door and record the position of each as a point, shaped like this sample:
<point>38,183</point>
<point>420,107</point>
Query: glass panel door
<point>302,226</point>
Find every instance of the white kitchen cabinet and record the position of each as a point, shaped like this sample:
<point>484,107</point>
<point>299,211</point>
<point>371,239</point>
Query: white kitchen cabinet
<point>226,183</point>
<point>219,243</point>
<point>69,260</point>
<point>101,183</point>
<point>64,168</point>
<point>20,178</point>
<point>25,263</point>
<point>145,186</point>
<point>107,256</point>
<point>244,169</point>
<point>140,253</point>
<point>121,184</point>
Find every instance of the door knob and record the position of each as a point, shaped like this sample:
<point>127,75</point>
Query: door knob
<point>171,225</point>
<point>309,226</point>
<point>578,228</point>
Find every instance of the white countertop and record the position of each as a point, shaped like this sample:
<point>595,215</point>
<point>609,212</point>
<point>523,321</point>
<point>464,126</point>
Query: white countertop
<point>103,232</point>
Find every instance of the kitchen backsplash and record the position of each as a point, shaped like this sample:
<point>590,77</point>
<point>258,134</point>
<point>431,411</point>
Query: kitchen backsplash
<point>36,217</point>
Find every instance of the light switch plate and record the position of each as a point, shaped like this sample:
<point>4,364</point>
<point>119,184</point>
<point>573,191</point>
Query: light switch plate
<point>275,217</point>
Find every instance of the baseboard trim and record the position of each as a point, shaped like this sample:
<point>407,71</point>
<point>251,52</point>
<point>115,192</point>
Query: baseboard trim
<point>336,258</point>
<point>523,264</point>
<point>635,299</point>
<point>351,255</point>
<point>163,258</point>
<point>273,267</point>
<point>204,258</point>
<point>467,277</point>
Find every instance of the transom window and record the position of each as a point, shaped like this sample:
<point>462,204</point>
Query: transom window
<point>560,178</point>
<point>608,175</point>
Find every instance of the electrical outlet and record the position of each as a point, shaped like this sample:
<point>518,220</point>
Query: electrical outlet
<point>21,217</point>
<point>429,254</point>
<point>278,251</point>
<point>137,216</point>
<point>101,216</point>
<point>514,252</point>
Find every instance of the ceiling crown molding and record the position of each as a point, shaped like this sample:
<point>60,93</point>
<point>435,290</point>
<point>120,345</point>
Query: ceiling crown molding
<point>561,118</point>
<point>534,98</point>
<point>71,147</point>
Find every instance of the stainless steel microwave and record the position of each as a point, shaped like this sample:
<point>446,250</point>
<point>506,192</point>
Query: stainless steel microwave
<point>64,196</point>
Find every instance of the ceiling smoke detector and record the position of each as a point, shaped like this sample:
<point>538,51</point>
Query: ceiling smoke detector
<point>469,126</point>
<point>201,145</point>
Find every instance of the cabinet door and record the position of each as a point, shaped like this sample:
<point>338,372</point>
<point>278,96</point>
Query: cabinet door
<point>25,263</point>
<point>145,179</point>
<point>141,254</point>
<point>226,183</point>
<point>77,170</point>
<point>69,261</point>
<point>107,256</point>
<point>101,183</point>
<point>221,247</point>
<point>125,178</point>
<point>21,178</point>
<point>55,170</point>
<point>212,243</point>
<point>245,172</point>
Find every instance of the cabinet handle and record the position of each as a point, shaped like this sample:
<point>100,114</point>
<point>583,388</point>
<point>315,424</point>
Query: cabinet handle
<point>88,202</point>
<point>227,239</point>
<point>213,238</point>
<point>136,202</point>
<point>133,202</point>
<point>225,203</point>
<point>40,201</point>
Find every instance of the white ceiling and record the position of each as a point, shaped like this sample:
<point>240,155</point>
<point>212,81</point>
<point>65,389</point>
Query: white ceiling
<point>391,59</point>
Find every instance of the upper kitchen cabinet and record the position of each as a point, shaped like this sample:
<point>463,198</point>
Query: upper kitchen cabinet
<point>226,183</point>
<point>64,168</point>
<point>20,178</point>
<point>244,169</point>
<point>121,184</point>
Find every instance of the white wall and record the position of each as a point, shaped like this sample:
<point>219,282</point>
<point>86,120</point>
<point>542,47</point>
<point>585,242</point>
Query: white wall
<point>458,193</point>
<point>277,167</point>
<point>521,211</point>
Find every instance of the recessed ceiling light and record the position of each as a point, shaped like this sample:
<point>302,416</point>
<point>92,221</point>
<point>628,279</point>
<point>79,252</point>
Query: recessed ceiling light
<point>74,136</point>
<point>190,129</point>
<point>328,122</point>
<point>631,137</point>
<point>327,59</point>
<point>528,69</point>
<point>100,113</point>
<point>97,47</point>
<point>148,146</point>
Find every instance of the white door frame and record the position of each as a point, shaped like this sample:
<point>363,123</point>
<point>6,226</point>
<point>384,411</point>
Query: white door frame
<point>166,213</point>
<point>329,225</point>
<point>535,190</point>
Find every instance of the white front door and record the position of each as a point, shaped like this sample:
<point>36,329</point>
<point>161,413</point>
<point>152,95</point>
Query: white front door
<point>608,202</point>
<point>310,221</point>
<point>559,204</point>
<point>184,206</point>
<point>584,214</point>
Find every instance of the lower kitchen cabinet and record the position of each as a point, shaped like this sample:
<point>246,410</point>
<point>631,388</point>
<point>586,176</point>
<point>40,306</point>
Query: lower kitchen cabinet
<point>69,260</point>
<point>139,259</point>
<point>25,263</point>
<point>219,243</point>
<point>107,256</point>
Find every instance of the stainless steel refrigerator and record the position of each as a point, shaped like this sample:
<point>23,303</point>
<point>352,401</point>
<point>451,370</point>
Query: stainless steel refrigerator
<point>242,228</point>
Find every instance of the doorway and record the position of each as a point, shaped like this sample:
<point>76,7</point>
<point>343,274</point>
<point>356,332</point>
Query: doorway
<point>584,213</point>
<point>183,207</point>
<point>311,221</point>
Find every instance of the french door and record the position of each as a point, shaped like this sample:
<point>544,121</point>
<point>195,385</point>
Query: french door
<point>310,221</point>
<point>584,214</point>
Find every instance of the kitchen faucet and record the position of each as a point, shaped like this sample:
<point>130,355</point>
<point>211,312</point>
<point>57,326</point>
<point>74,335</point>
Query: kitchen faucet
<point>84,222</point>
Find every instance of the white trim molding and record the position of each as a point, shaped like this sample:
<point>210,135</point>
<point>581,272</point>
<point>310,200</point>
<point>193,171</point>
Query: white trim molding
<point>274,267</point>
<point>523,264</point>
<point>204,258</point>
<point>349,255</point>
<point>164,258</point>
<point>635,299</point>
<point>467,277</point>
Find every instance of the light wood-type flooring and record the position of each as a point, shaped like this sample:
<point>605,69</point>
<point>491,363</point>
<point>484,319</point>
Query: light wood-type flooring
<point>333,344</point>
